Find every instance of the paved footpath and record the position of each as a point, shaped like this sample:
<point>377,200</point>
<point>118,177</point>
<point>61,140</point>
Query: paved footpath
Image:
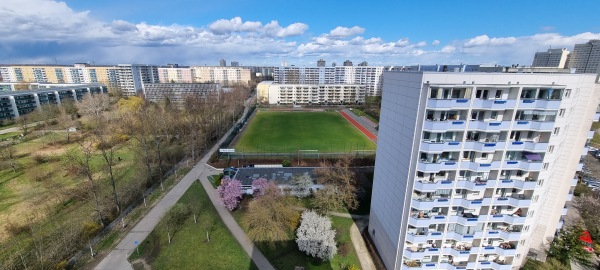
<point>117,258</point>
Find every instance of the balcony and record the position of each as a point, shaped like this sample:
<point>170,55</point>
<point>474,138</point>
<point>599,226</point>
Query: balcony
<point>436,167</point>
<point>488,147</point>
<point>533,125</point>
<point>433,186</point>
<point>415,237</point>
<point>428,146</point>
<point>465,219</point>
<point>524,165</point>
<point>466,237</point>
<point>493,265</point>
<point>494,104</point>
<point>591,134</point>
<point>539,104</point>
<point>596,117</point>
<point>417,253</point>
<point>479,167</point>
<point>460,103</point>
<point>475,185</point>
<point>489,126</point>
<point>425,221</point>
<point>512,201</point>
<point>457,252</point>
<point>470,204</point>
<point>513,183</point>
<point>527,146</point>
<point>458,125</point>
<point>569,197</point>
<point>510,219</point>
<point>574,181</point>
<point>428,204</point>
<point>504,234</point>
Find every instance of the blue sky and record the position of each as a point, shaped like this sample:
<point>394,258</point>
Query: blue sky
<point>299,32</point>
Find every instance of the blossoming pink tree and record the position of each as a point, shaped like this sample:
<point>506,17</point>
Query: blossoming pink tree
<point>230,192</point>
<point>260,185</point>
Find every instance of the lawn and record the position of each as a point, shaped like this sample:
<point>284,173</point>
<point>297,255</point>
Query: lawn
<point>188,248</point>
<point>285,255</point>
<point>288,132</point>
<point>361,113</point>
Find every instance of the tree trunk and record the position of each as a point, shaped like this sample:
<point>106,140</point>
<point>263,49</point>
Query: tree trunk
<point>109,159</point>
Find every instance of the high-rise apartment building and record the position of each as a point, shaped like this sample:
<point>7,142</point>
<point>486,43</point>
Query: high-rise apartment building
<point>131,78</point>
<point>235,64</point>
<point>225,76</point>
<point>369,76</point>
<point>347,63</point>
<point>552,58</point>
<point>585,58</point>
<point>321,63</point>
<point>363,64</point>
<point>222,63</point>
<point>473,169</point>
<point>175,75</point>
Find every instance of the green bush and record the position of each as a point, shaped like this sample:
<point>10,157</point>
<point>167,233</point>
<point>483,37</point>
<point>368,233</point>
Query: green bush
<point>286,163</point>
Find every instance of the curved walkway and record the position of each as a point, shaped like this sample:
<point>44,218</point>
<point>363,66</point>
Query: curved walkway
<point>117,258</point>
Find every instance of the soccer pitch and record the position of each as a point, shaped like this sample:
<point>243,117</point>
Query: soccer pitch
<point>288,132</point>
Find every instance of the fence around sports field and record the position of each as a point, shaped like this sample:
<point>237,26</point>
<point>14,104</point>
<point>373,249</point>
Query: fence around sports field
<point>299,154</point>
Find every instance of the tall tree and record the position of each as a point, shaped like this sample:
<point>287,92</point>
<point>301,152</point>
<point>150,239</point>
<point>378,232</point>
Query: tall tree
<point>340,186</point>
<point>94,107</point>
<point>567,246</point>
<point>302,184</point>
<point>269,217</point>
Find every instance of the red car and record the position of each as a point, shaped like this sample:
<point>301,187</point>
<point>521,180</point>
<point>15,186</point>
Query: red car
<point>587,241</point>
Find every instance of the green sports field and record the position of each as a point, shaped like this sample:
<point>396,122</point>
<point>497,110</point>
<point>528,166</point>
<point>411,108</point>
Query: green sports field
<point>287,132</point>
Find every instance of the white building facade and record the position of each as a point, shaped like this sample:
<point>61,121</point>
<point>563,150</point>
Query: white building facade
<point>473,169</point>
<point>310,94</point>
<point>368,76</point>
<point>552,58</point>
<point>225,76</point>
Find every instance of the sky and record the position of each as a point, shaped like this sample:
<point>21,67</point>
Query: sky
<point>199,32</point>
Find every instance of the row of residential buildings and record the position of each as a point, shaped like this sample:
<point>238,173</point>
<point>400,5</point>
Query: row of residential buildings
<point>130,78</point>
<point>16,103</point>
<point>585,58</point>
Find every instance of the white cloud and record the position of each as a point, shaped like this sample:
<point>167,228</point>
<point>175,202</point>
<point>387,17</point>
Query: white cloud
<point>448,49</point>
<point>42,30</point>
<point>402,42</point>
<point>273,29</point>
<point>341,31</point>
<point>222,26</point>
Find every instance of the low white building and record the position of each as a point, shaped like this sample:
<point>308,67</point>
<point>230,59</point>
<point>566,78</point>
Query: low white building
<point>309,94</point>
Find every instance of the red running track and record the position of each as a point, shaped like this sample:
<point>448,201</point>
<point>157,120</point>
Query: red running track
<point>359,126</point>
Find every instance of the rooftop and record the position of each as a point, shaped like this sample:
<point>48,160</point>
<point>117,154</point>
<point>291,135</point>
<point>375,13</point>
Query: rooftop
<point>281,176</point>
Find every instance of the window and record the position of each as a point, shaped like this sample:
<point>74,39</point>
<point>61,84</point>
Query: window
<point>526,228</point>
<point>540,182</point>
<point>550,148</point>
<point>484,155</point>
<point>567,93</point>
<point>545,166</point>
<point>522,242</point>
<point>561,112</point>
<point>530,214</point>
<point>535,198</point>
<point>498,94</point>
<point>494,115</point>
<point>556,131</point>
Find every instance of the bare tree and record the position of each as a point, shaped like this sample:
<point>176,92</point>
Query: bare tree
<point>82,160</point>
<point>8,154</point>
<point>340,186</point>
<point>94,107</point>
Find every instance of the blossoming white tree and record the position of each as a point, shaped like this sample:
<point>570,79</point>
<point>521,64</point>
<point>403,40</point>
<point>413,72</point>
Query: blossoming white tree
<point>302,184</point>
<point>315,236</point>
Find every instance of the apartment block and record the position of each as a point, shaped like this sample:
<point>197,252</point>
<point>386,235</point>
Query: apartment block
<point>369,76</point>
<point>177,92</point>
<point>473,169</point>
<point>556,58</point>
<point>310,94</point>
<point>132,77</point>
<point>17,103</point>
<point>175,75</point>
<point>585,58</point>
<point>225,76</point>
